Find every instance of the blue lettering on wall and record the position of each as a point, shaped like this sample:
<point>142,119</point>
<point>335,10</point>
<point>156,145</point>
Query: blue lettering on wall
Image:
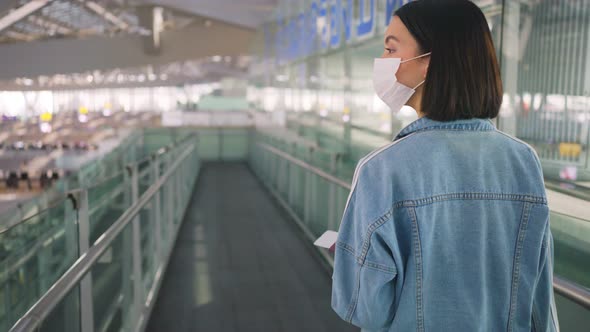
<point>335,23</point>
<point>340,20</point>
<point>347,19</point>
<point>366,24</point>
<point>323,14</point>
<point>313,31</point>
<point>301,36</point>
<point>294,41</point>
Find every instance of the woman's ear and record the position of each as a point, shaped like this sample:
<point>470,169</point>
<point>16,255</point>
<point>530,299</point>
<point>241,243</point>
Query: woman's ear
<point>426,69</point>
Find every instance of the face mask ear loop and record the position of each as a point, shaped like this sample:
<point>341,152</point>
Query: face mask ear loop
<point>416,57</point>
<point>417,86</point>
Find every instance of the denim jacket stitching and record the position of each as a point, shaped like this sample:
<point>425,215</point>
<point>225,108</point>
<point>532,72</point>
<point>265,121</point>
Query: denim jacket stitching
<point>362,262</point>
<point>470,196</point>
<point>452,127</point>
<point>346,247</point>
<point>370,230</point>
<point>418,261</point>
<point>380,267</point>
<point>355,296</point>
<point>368,263</point>
<point>530,148</point>
<point>483,128</point>
<point>516,269</point>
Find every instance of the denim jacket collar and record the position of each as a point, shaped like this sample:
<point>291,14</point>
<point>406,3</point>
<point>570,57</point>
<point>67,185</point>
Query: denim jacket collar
<point>425,123</point>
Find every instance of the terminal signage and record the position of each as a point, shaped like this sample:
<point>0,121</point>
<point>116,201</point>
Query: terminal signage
<point>327,25</point>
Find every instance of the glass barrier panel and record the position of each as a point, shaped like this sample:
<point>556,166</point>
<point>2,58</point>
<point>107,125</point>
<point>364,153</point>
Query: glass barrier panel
<point>571,240</point>
<point>65,316</point>
<point>113,293</point>
<point>33,255</point>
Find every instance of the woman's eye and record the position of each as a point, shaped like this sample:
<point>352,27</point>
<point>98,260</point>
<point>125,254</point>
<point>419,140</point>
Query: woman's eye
<point>389,50</point>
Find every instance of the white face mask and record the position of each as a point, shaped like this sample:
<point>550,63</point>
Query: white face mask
<point>392,92</point>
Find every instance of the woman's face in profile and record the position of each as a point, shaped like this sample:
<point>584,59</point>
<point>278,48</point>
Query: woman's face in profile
<point>399,43</point>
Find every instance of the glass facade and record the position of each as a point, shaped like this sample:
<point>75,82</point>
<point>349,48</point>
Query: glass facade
<point>546,74</point>
<point>315,65</point>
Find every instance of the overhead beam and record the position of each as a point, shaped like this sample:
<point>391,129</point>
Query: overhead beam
<point>62,56</point>
<point>21,13</point>
<point>46,24</point>
<point>107,15</point>
<point>18,36</point>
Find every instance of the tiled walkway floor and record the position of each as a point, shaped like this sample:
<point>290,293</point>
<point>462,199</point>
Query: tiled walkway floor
<point>240,265</point>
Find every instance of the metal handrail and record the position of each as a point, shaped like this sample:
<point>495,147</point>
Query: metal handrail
<point>561,286</point>
<point>572,291</point>
<point>52,205</point>
<point>44,306</point>
<point>299,162</point>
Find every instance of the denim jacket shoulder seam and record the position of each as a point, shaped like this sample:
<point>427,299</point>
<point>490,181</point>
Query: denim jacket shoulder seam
<point>514,139</point>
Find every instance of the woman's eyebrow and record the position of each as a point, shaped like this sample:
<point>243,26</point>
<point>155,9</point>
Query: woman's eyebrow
<point>388,38</point>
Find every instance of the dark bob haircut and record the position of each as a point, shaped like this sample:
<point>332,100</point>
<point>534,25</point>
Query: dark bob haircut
<point>463,79</point>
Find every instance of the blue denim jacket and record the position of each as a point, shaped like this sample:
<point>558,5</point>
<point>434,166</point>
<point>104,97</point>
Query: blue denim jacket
<point>447,229</point>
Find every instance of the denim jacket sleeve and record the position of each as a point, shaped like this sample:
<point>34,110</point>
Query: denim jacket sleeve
<point>544,312</point>
<point>363,289</point>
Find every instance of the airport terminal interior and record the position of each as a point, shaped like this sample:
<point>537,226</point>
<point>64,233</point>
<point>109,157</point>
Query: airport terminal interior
<point>166,165</point>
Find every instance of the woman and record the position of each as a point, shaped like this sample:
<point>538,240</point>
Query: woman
<point>447,227</point>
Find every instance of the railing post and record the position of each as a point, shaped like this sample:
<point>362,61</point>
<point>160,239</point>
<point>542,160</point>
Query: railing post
<point>86,301</point>
<point>157,214</point>
<point>331,208</point>
<point>307,193</point>
<point>177,196</point>
<point>127,261</point>
<point>332,194</point>
<point>44,256</point>
<point>220,143</point>
<point>290,182</point>
<point>72,322</point>
<point>170,190</point>
<point>7,305</point>
<point>136,249</point>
